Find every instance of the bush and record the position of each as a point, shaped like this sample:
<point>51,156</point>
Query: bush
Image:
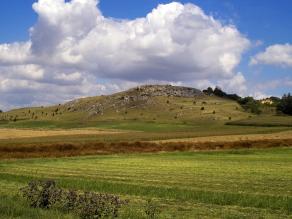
<point>45,194</point>
<point>70,199</point>
<point>92,205</point>
<point>42,194</point>
<point>152,210</point>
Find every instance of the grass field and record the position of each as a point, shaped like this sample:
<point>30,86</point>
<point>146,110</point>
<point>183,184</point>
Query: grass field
<point>265,120</point>
<point>230,184</point>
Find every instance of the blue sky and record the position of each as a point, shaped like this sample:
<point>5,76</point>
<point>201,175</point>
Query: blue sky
<point>266,25</point>
<point>269,21</point>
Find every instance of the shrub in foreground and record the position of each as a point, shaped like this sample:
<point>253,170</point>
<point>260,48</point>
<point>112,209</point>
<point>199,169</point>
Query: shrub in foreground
<point>45,194</point>
<point>92,205</point>
<point>42,194</point>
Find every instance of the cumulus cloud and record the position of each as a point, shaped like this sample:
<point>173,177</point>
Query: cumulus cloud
<point>16,53</point>
<point>236,84</point>
<point>72,45</point>
<point>279,54</point>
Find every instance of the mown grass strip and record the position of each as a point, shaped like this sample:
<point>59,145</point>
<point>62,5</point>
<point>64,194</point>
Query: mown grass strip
<point>283,203</point>
<point>16,207</point>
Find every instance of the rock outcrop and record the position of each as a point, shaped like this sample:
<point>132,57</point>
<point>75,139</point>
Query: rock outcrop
<point>166,90</point>
<point>136,97</point>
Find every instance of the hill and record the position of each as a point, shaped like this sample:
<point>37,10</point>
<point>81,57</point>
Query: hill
<point>149,104</point>
<point>139,98</point>
<point>145,108</point>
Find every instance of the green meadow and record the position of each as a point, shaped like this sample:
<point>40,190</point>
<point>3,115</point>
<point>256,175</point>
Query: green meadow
<point>228,184</point>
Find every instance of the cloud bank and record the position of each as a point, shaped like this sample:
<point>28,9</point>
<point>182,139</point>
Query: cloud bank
<point>75,51</point>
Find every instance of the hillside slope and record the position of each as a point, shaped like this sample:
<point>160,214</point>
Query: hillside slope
<point>163,105</point>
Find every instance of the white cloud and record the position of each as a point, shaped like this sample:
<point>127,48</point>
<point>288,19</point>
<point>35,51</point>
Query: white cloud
<point>236,84</point>
<point>279,54</point>
<point>15,53</point>
<point>76,76</point>
<point>29,71</point>
<point>263,89</point>
<point>73,44</point>
<point>258,95</point>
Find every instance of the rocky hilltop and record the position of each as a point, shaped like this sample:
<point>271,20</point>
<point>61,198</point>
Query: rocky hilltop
<point>137,97</point>
<point>165,90</point>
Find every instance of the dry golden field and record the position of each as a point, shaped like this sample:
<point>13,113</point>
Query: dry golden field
<point>31,133</point>
<point>233,138</point>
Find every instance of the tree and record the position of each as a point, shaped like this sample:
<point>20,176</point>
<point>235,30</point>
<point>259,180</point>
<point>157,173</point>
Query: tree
<point>276,100</point>
<point>219,93</point>
<point>209,91</point>
<point>285,104</point>
<point>246,100</point>
<point>250,104</point>
<point>234,97</point>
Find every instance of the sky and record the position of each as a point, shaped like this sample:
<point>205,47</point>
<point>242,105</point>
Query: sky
<point>52,51</point>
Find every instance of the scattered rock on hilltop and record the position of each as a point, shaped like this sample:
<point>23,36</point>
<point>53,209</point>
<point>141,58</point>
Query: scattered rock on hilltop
<point>166,90</point>
<point>136,97</point>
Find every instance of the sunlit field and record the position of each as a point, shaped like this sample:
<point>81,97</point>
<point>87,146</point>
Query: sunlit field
<point>230,184</point>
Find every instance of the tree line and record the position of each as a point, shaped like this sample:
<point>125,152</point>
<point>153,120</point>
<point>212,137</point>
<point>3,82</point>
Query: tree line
<point>283,105</point>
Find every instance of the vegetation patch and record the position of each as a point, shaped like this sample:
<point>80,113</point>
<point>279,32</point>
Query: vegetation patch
<point>45,194</point>
<point>77,149</point>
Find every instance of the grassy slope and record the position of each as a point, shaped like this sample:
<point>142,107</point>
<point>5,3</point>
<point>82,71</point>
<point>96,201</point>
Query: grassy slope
<point>164,114</point>
<point>178,112</point>
<point>265,120</point>
<point>230,184</point>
